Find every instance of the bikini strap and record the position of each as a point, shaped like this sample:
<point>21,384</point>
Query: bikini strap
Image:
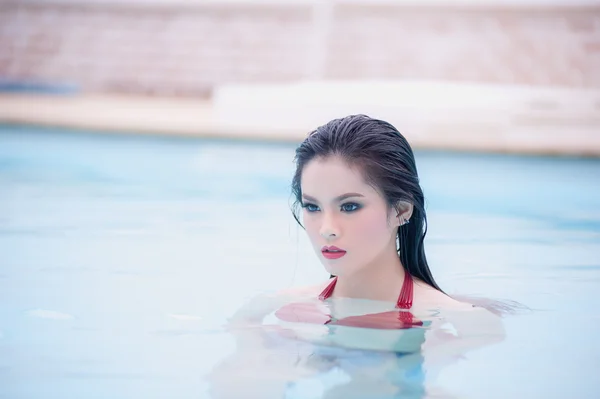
<point>328,290</point>
<point>405,300</point>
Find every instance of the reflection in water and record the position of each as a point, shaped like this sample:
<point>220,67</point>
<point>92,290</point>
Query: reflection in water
<point>274,359</point>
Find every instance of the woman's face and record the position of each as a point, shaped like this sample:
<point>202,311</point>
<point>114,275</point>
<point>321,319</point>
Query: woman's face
<point>341,210</point>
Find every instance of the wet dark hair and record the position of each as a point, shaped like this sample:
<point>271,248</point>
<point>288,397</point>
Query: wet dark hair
<point>387,163</point>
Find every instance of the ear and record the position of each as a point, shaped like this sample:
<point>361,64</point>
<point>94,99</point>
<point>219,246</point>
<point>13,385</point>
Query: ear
<point>404,211</point>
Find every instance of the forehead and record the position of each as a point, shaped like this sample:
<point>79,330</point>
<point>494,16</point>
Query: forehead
<point>332,176</point>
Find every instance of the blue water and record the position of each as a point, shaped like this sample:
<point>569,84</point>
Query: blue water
<point>122,257</point>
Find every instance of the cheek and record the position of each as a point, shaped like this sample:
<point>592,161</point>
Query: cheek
<point>310,225</point>
<point>375,228</point>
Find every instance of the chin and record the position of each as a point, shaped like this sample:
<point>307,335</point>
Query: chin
<point>336,270</point>
<point>337,267</point>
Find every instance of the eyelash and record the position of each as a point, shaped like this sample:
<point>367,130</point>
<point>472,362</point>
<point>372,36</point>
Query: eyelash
<point>355,205</point>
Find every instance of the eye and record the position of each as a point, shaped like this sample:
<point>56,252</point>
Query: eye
<point>350,207</point>
<point>310,207</point>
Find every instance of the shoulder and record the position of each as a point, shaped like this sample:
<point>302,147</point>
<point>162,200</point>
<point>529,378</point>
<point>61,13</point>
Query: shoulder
<point>258,307</point>
<point>427,296</point>
<point>311,291</point>
<point>442,300</point>
<point>461,303</point>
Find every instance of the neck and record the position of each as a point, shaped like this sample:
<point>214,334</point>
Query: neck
<point>381,281</point>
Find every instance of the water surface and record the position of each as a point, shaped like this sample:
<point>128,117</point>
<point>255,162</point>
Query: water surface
<point>122,257</point>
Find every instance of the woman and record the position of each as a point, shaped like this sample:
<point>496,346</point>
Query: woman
<point>362,207</point>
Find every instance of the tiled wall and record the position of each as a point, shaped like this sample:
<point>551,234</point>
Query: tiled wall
<point>186,50</point>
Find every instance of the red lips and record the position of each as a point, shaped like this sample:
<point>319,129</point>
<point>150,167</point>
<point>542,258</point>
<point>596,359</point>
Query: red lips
<point>332,252</point>
<point>331,248</point>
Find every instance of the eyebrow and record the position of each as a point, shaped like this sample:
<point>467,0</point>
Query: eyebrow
<point>336,199</point>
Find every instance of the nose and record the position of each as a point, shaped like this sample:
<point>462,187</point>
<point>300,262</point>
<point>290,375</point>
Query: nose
<point>329,228</point>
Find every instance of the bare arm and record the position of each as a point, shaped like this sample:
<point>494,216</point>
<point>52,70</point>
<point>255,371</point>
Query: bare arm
<point>260,366</point>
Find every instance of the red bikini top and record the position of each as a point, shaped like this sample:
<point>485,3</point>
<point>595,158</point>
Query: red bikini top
<point>391,320</point>
<point>405,298</point>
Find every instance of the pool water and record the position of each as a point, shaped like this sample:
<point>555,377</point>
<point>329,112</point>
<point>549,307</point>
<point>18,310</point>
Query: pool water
<point>122,257</point>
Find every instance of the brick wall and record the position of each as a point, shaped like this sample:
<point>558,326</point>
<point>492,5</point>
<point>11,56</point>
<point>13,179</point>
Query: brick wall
<point>188,49</point>
<point>522,46</point>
